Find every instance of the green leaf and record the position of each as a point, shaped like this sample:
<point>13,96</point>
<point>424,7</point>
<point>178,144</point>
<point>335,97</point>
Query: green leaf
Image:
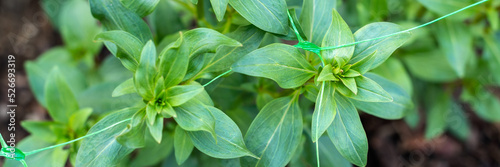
<point>133,135</point>
<point>219,7</point>
<point>329,155</point>
<point>203,97</point>
<point>324,110</point>
<point>326,74</point>
<point>174,63</point>
<point>313,18</point>
<point>78,119</point>
<point>130,46</point>
<point>274,12</point>
<point>350,83</point>
<point>456,41</point>
<point>485,104</point>
<point>262,99</point>
<point>55,157</point>
<point>430,66</point>
<point>443,7</point>
<point>394,70</point>
<point>364,65</point>
<point>338,33</point>
<point>151,112</point>
<point>311,92</point>
<point>98,97</point>
<point>275,133</point>
<point>39,70</point>
<point>203,40</point>
<point>183,145</point>
<point>195,116</point>
<point>368,91</point>
<point>384,47</point>
<point>179,95</point>
<point>103,149</point>
<point>249,36</point>
<point>153,153</point>
<point>115,16</point>
<point>351,73</point>
<point>36,78</point>
<point>141,7</point>
<point>347,133</point>
<point>40,129</point>
<point>112,70</point>
<point>493,18</point>
<point>159,88</point>
<point>279,62</point>
<point>61,102</point>
<point>156,129</point>
<point>145,76</point>
<point>78,28</point>
<point>52,8</point>
<point>165,19</point>
<point>457,122</point>
<point>167,111</point>
<point>387,110</point>
<point>437,113</point>
<point>124,88</point>
<point>229,143</point>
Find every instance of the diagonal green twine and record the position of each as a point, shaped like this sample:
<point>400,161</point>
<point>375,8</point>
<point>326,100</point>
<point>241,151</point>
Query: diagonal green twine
<point>404,31</point>
<point>217,77</point>
<point>5,148</point>
<point>80,138</point>
<point>307,45</point>
<point>20,156</point>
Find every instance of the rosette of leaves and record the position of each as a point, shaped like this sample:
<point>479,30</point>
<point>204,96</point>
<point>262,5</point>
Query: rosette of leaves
<point>69,122</point>
<point>165,78</point>
<point>339,86</point>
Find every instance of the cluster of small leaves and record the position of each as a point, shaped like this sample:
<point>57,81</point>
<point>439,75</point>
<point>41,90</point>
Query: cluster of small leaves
<point>448,65</point>
<point>165,79</point>
<point>339,86</point>
<point>57,79</point>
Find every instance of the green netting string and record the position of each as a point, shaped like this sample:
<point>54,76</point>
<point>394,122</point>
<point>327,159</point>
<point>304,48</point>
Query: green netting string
<point>21,156</point>
<point>315,49</point>
<point>217,77</point>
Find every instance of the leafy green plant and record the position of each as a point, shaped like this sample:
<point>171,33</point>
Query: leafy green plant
<point>69,122</point>
<point>455,73</point>
<point>171,81</point>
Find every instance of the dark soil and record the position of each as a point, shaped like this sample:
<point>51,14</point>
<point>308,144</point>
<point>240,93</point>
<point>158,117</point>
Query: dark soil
<point>25,32</point>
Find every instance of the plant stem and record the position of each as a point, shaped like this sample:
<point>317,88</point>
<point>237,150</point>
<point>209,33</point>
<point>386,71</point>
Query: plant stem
<point>227,27</point>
